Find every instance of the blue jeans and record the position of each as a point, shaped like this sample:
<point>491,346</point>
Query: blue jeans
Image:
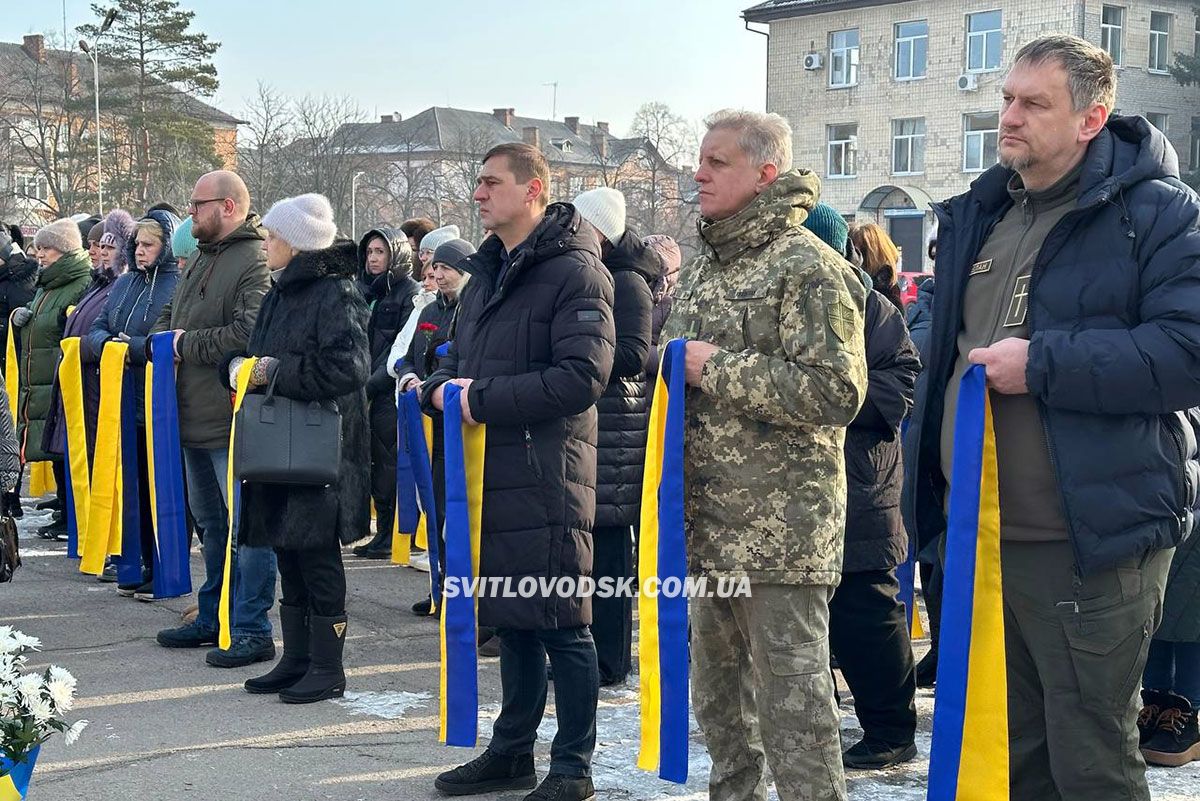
<point>253,569</point>
<point>1174,666</point>
<point>576,687</point>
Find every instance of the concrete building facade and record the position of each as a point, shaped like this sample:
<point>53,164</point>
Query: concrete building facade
<point>895,103</point>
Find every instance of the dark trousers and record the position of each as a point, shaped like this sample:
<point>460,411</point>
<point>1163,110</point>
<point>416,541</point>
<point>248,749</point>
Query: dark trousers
<point>313,578</point>
<point>931,591</point>
<point>145,516</point>
<point>576,687</point>
<point>1075,647</point>
<point>612,617</point>
<point>383,460</point>
<point>59,468</point>
<point>868,633</point>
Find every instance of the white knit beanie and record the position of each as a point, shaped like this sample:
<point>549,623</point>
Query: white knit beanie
<point>62,235</point>
<point>605,209</point>
<point>305,222</point>
<point>438,237</point>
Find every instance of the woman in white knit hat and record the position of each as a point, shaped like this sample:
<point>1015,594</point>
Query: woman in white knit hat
<point>311,342</point>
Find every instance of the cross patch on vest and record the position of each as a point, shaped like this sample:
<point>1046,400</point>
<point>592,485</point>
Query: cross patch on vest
<point>980,267</point>
<point>1018,306</point>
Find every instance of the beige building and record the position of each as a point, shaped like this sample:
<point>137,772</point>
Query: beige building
<point>895,102</point>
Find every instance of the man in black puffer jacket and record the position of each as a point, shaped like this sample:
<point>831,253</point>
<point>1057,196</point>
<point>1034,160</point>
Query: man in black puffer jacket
<point>623,418</point>
<point>1071,271</point>
<point>391,299</point>
<point>532,350</point>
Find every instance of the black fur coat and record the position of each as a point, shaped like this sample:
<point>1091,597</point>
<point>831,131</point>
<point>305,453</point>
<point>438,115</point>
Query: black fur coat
<point>314,323</point>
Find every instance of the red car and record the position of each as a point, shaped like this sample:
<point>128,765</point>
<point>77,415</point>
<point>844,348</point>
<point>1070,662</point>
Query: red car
<point>909,283</point>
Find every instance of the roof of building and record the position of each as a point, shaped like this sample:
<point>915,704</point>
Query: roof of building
<point>782,9</point>
<point>454,130</point>
<point>14,58</point>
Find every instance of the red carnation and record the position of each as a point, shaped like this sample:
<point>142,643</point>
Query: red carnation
<point>427,327</point>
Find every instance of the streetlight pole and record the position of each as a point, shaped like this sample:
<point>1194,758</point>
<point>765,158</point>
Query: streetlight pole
<point>94,56</point>
<point>354,206</point>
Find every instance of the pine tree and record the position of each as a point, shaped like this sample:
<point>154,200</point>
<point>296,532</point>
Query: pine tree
<point>1187,72</point>
<point>152,65</point>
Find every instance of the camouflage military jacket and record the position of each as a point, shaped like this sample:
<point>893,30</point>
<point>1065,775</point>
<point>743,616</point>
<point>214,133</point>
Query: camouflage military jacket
<point>764,470</point>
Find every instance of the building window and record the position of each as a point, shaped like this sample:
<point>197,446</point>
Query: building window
<point>912,48</point>
<point>1112,23</point>
<point>843,151</point>
<point>908,146</point>
<point>1160,41</point>
<point>32,186</point>
<point>980,136</point>
<point>984,41</point>
<point>1158,120</point>
<point>843,58</point>
<point>1194,159</point>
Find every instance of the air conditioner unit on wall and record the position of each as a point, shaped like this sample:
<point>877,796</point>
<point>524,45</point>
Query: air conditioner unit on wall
<point>813,61</point>
<point>968,82</point>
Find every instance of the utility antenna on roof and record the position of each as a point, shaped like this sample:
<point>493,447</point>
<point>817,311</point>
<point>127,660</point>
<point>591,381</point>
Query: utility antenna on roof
<point>554,106</point>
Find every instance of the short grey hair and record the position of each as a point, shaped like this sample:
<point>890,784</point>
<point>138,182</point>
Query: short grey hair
<point>1091,77</point>
<point>765,137</point>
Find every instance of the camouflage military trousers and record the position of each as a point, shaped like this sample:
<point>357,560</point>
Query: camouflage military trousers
<point>761,683</point>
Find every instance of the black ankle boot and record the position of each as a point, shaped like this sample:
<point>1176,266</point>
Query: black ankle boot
<point>380,546</point>
<point>325,677</point>
<point>293,664</point>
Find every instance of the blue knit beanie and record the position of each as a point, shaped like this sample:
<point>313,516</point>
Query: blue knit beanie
<point>183,243</point>
<point>829,226</point>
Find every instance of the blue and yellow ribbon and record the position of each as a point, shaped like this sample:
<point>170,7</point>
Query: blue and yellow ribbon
<point>224,610</point>
<point>129,560</point>
<point>408,513</point>
<point>969,760</point>
<point>14,784</point>
<point>105,503</point>
<point>417,500</point>
<point>164,460</point>
<point>79,482</point>
<point>662,555</point>
<point>459,680</point>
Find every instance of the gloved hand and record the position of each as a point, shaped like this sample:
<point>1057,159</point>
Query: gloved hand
<point>21,316</point>
<point>234,367</point>
<point>10,504</point>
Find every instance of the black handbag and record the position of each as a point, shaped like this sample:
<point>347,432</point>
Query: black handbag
<point>284,441</point>
<point>10,556</point>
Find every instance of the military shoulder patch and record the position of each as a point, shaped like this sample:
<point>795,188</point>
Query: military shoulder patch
<point>589,316</point>
<point>980,267</point>
<point>840,314</point>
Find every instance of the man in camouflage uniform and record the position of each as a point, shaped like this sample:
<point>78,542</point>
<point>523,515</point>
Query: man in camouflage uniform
<point>776,370</point>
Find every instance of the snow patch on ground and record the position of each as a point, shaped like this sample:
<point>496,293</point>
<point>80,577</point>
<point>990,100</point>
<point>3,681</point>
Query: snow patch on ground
<point>388,705</point>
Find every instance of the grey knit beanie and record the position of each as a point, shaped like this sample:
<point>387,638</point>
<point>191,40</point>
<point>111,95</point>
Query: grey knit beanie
<point>62,235</point>
<point>604,208</point>
<point>305,222</point>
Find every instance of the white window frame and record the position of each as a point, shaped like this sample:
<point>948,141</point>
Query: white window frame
<point>982,134</point>
<point>24,181</point>
<point>999,34</point>
<point>908,142</point>
<point>1108,30</point>
<point>850,53</point>
<point>1160,116</point>
<point>848,148</point>
<point>1160,39</point>
<point>911,41</point>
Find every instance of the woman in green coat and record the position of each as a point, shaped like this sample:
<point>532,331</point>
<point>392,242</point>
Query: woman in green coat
<point>66,271</point>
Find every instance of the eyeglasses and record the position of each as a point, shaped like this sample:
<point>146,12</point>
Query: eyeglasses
<point>194,205</point>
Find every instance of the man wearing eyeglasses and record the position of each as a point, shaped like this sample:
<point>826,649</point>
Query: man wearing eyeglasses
<point>212,313</point>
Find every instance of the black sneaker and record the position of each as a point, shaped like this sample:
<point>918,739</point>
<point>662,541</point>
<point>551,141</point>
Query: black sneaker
<point>871,754</point>
<point>191,635</point>
<point>108,575</point>
<point>1153,702</point>
<point>927,669</point>
<point>1176,741</point>
<point>145,592</point>
<point>487,773</point>
<point>423,607</point>
<point>55,529</point>
<point>53,504</point>
<point>242,651</point>
<point>490,647</point>
<point>128,590</point>
<point>557,787</point>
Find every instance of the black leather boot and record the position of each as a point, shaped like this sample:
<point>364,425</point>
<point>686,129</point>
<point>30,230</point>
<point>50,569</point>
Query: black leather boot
<point>380,546</point>
<point>325,677</point>
<point>292,666</point>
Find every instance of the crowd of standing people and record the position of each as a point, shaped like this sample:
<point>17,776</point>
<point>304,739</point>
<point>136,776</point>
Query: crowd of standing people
<point>820,414</point>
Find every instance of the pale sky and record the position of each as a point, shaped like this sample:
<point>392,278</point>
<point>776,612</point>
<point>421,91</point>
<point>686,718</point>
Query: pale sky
<point>608,56</point>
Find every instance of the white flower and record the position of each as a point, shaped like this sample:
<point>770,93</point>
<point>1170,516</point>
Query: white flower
<point>61,675</point>
<point>30,686</point>
<point>72,734</point>
<point>62,694</point>
<point>13,641</point>
<point>40,708</point>
<point>25,641</point>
